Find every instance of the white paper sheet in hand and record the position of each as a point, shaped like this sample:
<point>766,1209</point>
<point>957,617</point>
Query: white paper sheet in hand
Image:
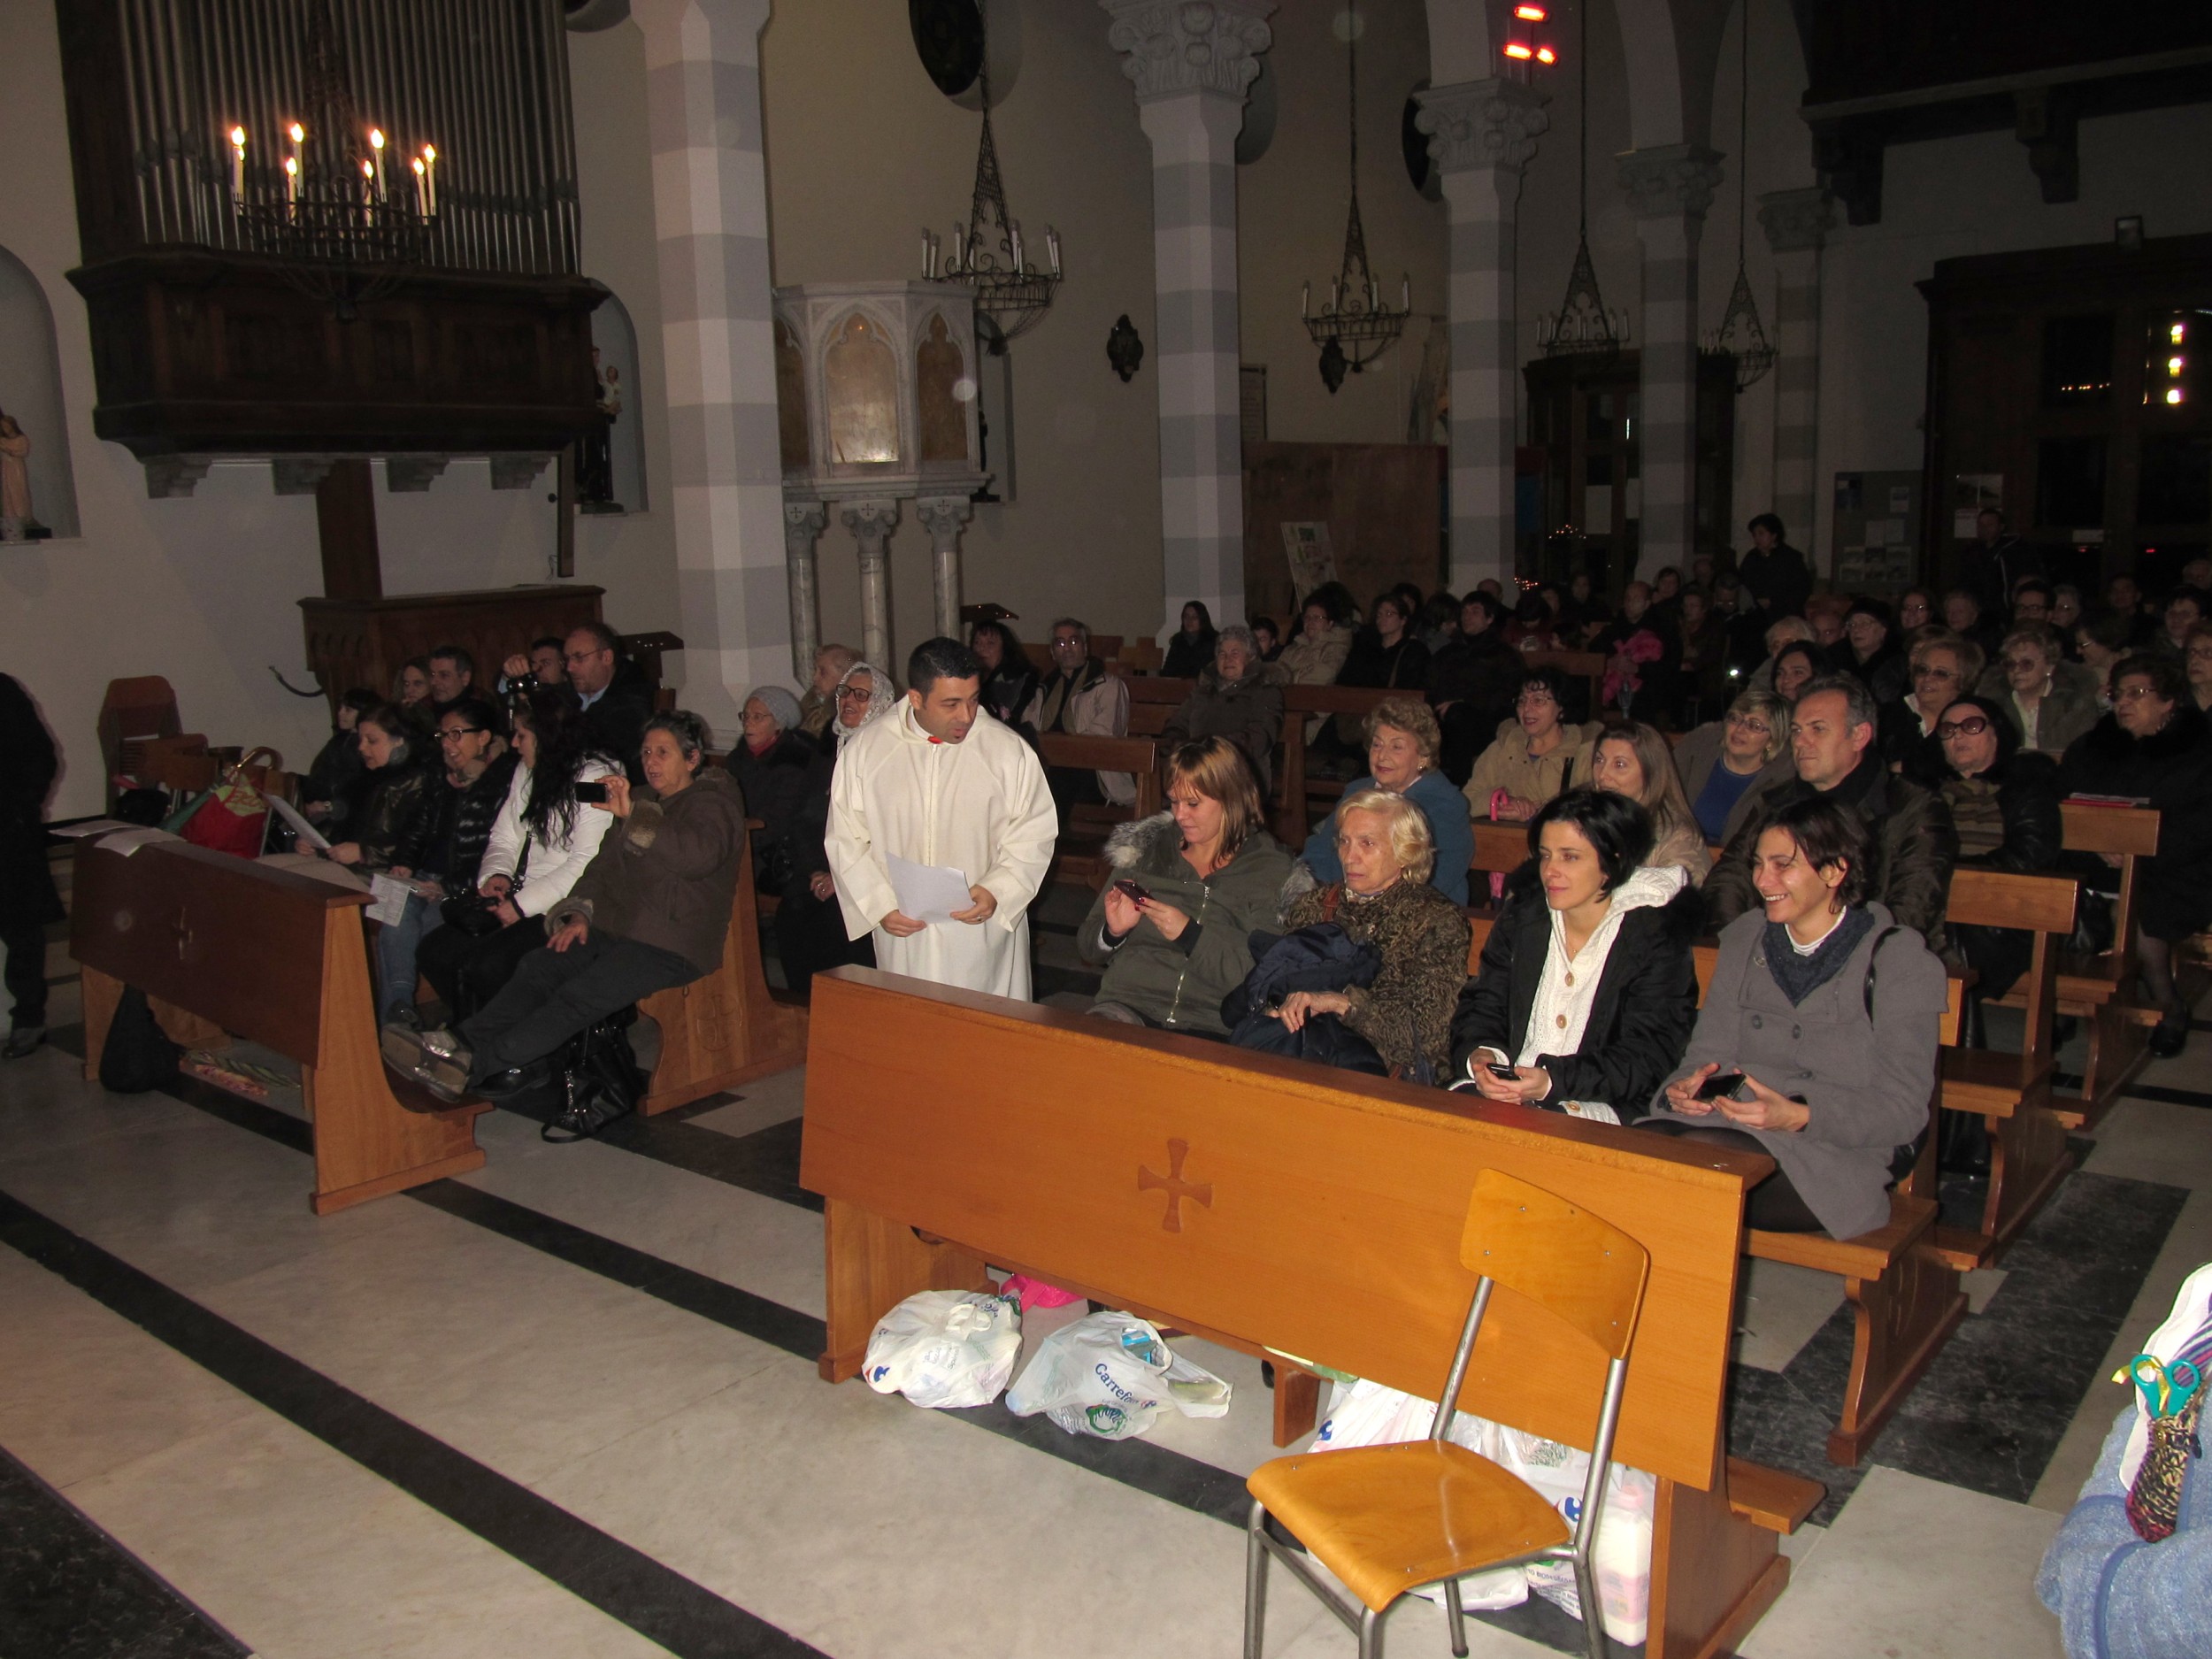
<point>928,893</point>
<point>391,899</point>
<point>311,838</point>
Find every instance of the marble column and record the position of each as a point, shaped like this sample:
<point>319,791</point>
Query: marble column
<point>872,521</point>
<point>802,525</point>
<point>942,517</point>
<point>1797,223</point>
<point>1481,134</point>
<point>1669,189</point>
<point>1192,62</point>
<point>710,219</point>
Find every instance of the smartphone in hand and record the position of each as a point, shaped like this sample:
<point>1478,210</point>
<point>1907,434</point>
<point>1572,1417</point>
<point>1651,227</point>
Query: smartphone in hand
<point>592,793</point>
<point>1720,1085</point>
<point>1505,1075</point>
<point>1134,891</point>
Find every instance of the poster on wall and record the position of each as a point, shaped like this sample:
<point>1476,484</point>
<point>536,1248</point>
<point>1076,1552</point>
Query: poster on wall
<point>1970,492</point>
<point>1312,558</point>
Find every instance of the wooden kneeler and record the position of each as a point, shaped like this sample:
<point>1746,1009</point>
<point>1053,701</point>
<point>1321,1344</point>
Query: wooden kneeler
<point>278,958</point>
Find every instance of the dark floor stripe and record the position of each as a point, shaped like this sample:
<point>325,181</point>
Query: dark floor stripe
<point>595,1566</point>
<point>72,1589</point>
<point>2197,1097</point>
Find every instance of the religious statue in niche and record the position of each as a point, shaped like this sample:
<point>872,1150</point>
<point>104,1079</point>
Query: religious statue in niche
<point>594,462</point>
<point>16,523</point>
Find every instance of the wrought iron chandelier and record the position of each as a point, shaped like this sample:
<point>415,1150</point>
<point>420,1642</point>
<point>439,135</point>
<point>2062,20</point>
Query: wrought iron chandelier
<point>1011,296</point>
<point>1740,334</point>
<point>341,230</point>
<point>1582,328</point>
<point>1359,324</point>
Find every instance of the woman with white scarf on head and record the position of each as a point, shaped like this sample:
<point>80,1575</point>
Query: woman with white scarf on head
<point>810,926</point>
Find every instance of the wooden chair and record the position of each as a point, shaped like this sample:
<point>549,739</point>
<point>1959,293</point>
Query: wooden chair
<point>133,712</point>
<point>1389,1519</point>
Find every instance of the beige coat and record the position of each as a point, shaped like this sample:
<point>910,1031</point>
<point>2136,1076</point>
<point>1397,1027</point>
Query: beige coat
<point>1507,765</point>
<point>1316,662</point>
<point>1101,710</point>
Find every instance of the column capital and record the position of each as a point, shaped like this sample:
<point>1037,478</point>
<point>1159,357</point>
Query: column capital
<point>1181,46</point>
<point>804,518</point>
<point>944,515</point>
<point>871,520</point>
<point>1669,180</point>
<point>1494,123</point>
<point>1797,221</point>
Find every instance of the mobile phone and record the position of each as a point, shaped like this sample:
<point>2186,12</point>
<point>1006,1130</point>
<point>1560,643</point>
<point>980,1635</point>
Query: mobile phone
<point>1719,1085</point>
<point>1135,892</point>
<point>1504,1073</point>
<point>593,793</point>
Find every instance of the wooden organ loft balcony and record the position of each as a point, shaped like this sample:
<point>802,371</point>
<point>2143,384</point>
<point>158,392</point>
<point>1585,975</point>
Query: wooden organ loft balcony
<point>202,353</point>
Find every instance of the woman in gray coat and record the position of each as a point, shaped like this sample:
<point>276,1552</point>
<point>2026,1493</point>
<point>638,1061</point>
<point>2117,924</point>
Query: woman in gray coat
<point>1825,1011</point>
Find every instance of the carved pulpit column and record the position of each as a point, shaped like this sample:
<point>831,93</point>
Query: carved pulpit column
<point>1192,64</point>
<point>942,517</point>
<point>1668,188</point>
<point>871,522</point>
<point>1482,133</point>
<point>802,525</point>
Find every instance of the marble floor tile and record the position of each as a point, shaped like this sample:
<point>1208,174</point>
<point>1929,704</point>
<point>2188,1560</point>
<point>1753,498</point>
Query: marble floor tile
<point>1243,1439</point>
<point>949,1542</point>
<point>1867,1590</point>
<point>305,1555</point>
<point>764,1100</point>
<point>1778,1308</point>
<point>1980,1285</point>
<point>83,1390</point>
<point>2156,1140</point>
<point>511,1355</point>
<point>741,1238</point>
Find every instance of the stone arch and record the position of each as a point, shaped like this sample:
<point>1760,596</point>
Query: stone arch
<point>30,390</point>
<point>614,336</point>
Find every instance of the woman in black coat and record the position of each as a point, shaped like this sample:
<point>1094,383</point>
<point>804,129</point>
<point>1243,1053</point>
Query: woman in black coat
<point>2156,746</point>
<point>1585,905</point>
<point>2004,802</point>
<point>783,774</point>
<point>1192,649</point>
<point>28,902</point>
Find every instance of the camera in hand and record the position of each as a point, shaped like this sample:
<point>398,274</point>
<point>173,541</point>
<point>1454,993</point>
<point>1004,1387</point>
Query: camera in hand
<point>593,792</point>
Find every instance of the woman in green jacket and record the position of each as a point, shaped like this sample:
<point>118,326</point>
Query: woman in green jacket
<point>1173,925</point>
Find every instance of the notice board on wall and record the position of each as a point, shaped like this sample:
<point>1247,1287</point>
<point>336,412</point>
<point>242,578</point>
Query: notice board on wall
<point>1874,530</point>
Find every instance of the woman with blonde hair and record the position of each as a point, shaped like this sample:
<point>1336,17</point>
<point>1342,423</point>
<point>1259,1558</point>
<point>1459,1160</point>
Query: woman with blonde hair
<point>1726,764</point>
<point>1635,760</point>
<point>1172,927</point>
<point>1403,741</point>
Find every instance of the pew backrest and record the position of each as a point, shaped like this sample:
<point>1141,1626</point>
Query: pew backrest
<point>1137,756</point>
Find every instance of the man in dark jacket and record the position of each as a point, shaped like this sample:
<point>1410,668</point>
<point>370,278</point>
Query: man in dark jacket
<point>1474,683</point>
<point>613,693</point>
<point>651,912</point>
<point>1775,574</point>
<point>28,903</point>
<point>1832,737</point>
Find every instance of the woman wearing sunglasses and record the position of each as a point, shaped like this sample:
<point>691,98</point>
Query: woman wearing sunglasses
<point>2004,802</point>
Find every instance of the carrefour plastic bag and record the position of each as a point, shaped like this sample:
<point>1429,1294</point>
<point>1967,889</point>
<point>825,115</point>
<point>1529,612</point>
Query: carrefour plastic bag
<point>945,1348</point>
<point>1108,1374</point>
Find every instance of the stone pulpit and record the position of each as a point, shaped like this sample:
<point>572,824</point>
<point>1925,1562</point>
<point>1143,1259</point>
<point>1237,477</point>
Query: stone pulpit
<point>875,389</point>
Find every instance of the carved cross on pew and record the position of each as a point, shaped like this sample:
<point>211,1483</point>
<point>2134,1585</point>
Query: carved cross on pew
<point>1175,1187</point>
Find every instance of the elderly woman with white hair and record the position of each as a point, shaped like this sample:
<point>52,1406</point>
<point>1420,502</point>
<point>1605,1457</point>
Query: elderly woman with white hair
<point>1236,697</point>
<point>809,927</point>
<point>782,771</point>
<point>1387,856</point>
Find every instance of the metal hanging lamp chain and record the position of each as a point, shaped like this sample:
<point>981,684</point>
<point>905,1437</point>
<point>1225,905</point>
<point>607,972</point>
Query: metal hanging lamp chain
<point>1582,328</point>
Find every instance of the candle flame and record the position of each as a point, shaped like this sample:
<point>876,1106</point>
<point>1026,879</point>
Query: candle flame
<point>430,154</point>
<point>299,133</point>
<point>238,137</point>
<point>291,164</point>
<point>418,166</point>
<point>376,138</point>
<point>368,170</point>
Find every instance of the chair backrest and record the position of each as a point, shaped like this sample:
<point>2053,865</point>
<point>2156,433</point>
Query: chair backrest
<point>134,711</point>
<point>1589,1272</point>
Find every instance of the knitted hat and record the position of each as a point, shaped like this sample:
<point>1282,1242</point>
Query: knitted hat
<point>782,707</point>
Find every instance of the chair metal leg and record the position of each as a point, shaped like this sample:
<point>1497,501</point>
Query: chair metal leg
<point>1593,1609</point>
<point>1370,1635</point>
<point>1254,1580</point>
<point>1458,1617</point>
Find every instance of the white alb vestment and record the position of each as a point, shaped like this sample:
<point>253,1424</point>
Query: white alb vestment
<point>980,806</point>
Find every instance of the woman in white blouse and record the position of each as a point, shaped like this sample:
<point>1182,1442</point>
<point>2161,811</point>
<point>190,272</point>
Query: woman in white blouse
<point>1586,992</point>
<point>544,836</point>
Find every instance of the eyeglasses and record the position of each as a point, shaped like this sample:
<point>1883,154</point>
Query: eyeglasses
<point>2133,694</point>
<point>1069,644</point>
<point>855,693</point>
<point>2025,662</point>
<point>453,734</point>
<point>1972,725</point>
<point>1749,723</point>
<point>1533,699</point>
<point>1929,670</point>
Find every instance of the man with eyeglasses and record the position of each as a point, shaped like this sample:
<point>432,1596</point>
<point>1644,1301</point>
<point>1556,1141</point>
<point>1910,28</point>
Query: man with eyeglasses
<point>441,847</point>
<point>1831,742</point>
<point>1080,697</point>
<point>616,707</point>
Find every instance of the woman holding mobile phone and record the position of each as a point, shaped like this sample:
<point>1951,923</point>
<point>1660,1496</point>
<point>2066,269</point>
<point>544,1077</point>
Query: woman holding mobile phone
<point>1829,1011</point>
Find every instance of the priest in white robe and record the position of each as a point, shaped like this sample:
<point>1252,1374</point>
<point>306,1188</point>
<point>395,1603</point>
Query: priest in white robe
<point>942,783</point>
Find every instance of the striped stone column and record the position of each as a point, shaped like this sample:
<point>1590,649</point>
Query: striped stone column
<point>1192,62</point>
<point>711,218</point>
<point>1668,188</point>
<point>1481,134</point>
<point>1797,223</point>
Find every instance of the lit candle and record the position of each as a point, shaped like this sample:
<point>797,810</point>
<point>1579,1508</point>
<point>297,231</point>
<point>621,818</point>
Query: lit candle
<point>421,188</point>
<point>299,134</point>
<point>369,191</point>
<point>291,185</point>
<point>376,143</point>
<point>238,162</point>
<point>430,178</point>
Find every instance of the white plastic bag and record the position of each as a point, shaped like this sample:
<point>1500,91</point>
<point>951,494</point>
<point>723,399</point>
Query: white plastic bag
<point>1108,1374</point>
<point>1367,1414</point>
<point>945,1348</point>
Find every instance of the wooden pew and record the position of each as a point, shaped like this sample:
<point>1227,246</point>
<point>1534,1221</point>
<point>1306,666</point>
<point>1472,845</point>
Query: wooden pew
<point>279,958</point>
<point>1585,665</point>
<point>1904,1293</point>
<point>1080,855</point>
<point>1283,1208</point>
<point>728,1028</point>
<point>1295,812</point>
